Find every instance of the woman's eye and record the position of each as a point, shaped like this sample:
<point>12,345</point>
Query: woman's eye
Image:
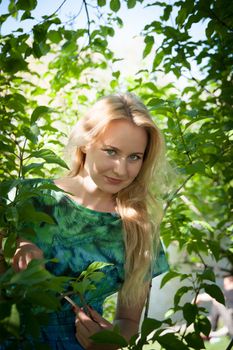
<point>110,152</point>
<point>134,157</point>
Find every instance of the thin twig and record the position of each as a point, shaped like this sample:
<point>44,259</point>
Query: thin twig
<point>182,136</point>
<point>70,301</point>
<point>59,7</point>
<point>177,191</point>
<point>198,82</point>
<point>88,21</point>
<point>75,16</point>
<point>202,260</point>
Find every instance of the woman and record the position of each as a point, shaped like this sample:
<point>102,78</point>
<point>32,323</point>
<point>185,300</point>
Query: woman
<point>117,153</point>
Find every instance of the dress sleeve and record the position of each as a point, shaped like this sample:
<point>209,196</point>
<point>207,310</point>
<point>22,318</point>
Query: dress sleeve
<point>160,264</point>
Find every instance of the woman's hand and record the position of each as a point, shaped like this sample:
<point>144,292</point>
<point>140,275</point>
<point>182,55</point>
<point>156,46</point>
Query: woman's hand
<point>87,325</point>
<point>25,252</point>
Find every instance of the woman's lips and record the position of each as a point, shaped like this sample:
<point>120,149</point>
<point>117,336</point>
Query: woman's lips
<point>113,181</point>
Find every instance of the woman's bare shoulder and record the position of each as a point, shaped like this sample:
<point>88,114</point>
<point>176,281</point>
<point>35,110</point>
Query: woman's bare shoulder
<point>68,184</point>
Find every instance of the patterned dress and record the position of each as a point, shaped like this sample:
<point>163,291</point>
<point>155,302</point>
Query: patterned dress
<point>79,237</point>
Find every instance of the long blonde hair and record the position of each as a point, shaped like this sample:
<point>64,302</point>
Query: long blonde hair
<point>141,233</point>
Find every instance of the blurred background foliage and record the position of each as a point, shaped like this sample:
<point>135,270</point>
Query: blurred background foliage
<point>49,75</point>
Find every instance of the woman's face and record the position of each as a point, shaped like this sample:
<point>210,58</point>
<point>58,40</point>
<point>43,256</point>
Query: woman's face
<point>115,159</point>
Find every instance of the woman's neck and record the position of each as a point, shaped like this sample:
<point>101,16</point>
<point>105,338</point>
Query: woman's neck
<point>84,193</point>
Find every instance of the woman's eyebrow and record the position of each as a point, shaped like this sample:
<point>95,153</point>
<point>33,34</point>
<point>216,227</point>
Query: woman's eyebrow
<point>110,146</point>
<point>117,149</point>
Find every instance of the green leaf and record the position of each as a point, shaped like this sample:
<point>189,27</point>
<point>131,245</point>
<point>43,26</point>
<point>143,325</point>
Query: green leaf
<point>55,36</point>
<point>109,337</point>
<point>39,112</point>
<point>9,245</point>
<point>169,275</point>
<point>182,16</point>
<point>131,4</point>
<point>31,167</point>
<point>116,74</point>
<point>194,341</point>
<point>156,26</point>
<point>208,274</point>
<point>31,133</point>
<point>14,64</point>
<point>170,342</point>
<point>96,266</point>
<point>26,5</point>
<point>27,212</point>
<point>12,323</point>
<point>115,5</point>
<point>32,325</point>
<point>190,311</point>
<point>215,292</point>
<point>113,84</point>
<point>5,309</point>
<point>157,103</point>
<point>34,274</point>
<point>197,167</point>
<point>172,124</point>
<point>202,325</point>
<point>83,286</point>
<point>26,15</point>
<point>210,29</point>
<point>49,186</point>
<point>166,13</point>
<point>7,186</point>
<point>193,113</point>
<point>40,216</point>
<point>179,293</point>
<point>157,60</point>
<point>96,276</point>
<point>101,3</point>
<point>49,156</point>
<point>44,299</point>
<point>148,326</point>
<point>149,41</point>
<point>12,215</point>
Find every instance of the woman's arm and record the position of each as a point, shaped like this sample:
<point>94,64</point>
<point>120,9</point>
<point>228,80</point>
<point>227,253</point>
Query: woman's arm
<point>128,318</point>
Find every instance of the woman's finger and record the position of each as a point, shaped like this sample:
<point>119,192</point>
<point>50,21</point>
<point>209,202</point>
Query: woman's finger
<point>22,263</point>
<point>28,258</point>
<point>84,319</point>
<point>82,334</point>
<point>88,322</point>
<point>99,319</point>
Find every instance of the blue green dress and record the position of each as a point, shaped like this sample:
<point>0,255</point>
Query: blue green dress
<point>79,237</point>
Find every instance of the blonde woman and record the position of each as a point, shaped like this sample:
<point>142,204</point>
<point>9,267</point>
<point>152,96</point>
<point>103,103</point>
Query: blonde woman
<point>117,153</point>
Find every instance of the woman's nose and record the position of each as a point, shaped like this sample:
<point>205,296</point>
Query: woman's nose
<point>120,167</point>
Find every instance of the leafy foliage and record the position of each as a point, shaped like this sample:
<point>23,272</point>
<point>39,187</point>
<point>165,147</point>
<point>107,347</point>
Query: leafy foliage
<point>48,75</point>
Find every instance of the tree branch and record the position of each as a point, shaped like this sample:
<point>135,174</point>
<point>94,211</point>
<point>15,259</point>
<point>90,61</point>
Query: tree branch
<point>88,21</point>
<point>176,192</point>
<point>182,136</point>
<point>220,21</point>
<point>59,7</point>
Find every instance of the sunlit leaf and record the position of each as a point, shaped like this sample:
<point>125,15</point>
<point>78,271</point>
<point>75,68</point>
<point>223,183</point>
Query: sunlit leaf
<point>49,156</point>
<point>39,112</point>
<point>169,275</point>
<point>12,322</point>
